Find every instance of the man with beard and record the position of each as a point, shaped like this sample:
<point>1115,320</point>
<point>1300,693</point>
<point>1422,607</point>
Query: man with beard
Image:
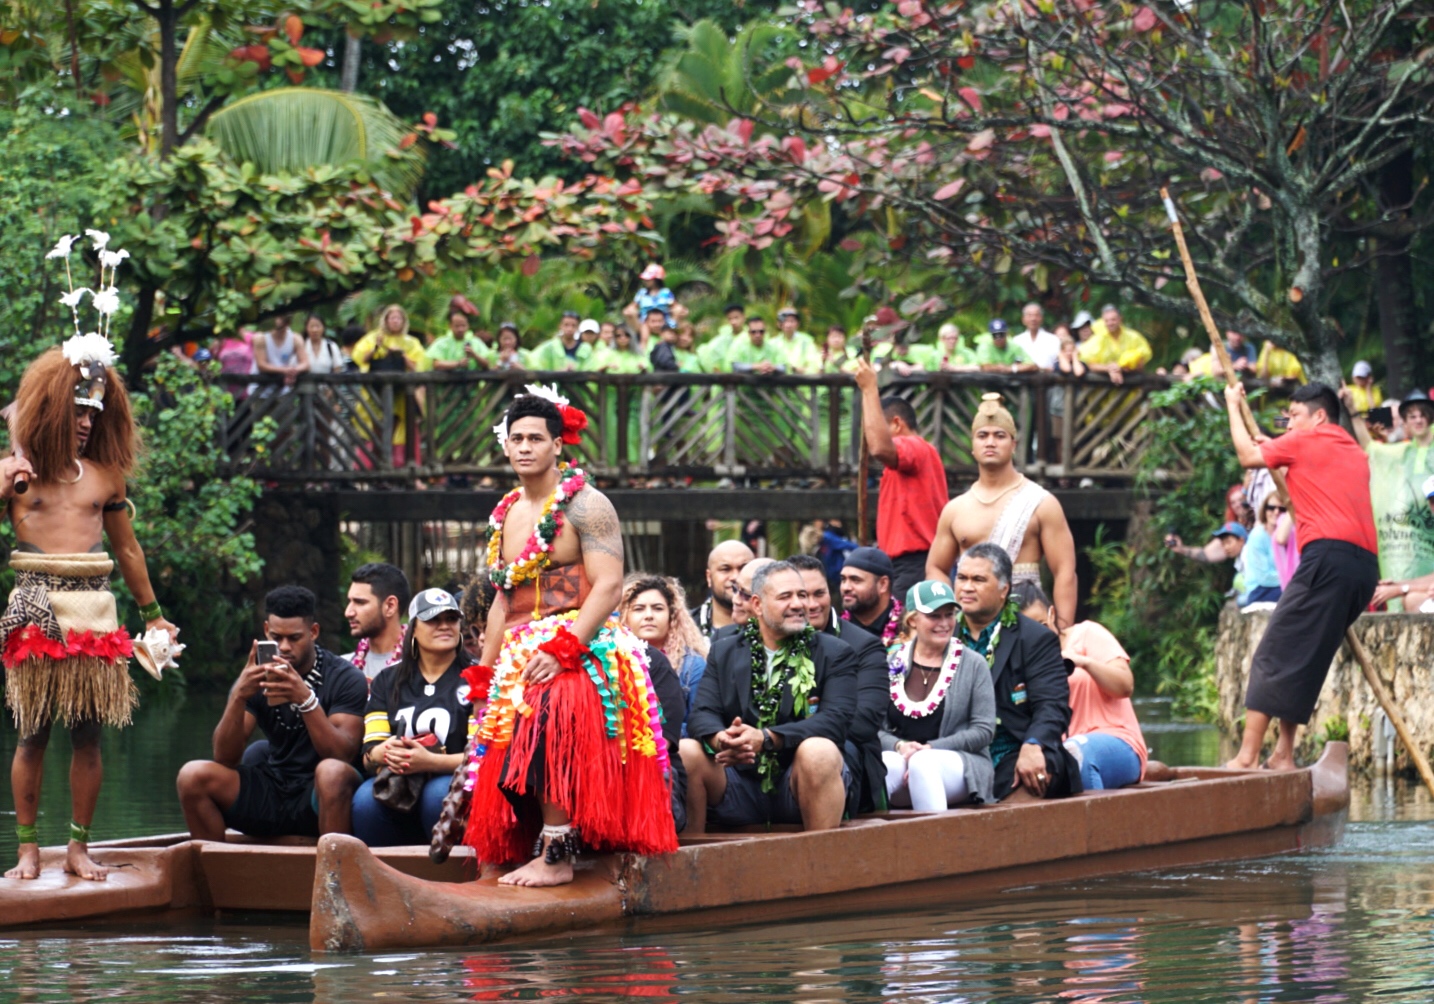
<point>862,749</point>
<point>762,753</point>
<point>310,704</point>
<point>378,594</point>
<point>724,565</point>
<point>1009,510</point>
<point>866,596</point>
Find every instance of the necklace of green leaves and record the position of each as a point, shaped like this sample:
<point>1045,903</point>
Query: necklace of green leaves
<point>791,665</point>
<point>1005,619</point>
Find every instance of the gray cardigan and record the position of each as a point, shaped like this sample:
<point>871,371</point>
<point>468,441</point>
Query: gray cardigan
<point>968,723</point>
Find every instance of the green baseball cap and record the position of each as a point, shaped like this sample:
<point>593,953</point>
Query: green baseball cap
<point>930,596</point>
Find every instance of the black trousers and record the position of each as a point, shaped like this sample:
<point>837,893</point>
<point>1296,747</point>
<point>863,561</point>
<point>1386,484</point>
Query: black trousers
<point>910,569</point>
<point>1331,588</point>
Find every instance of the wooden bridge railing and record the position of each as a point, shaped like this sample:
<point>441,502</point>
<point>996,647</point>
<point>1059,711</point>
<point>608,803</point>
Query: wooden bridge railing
<point>369,428</point>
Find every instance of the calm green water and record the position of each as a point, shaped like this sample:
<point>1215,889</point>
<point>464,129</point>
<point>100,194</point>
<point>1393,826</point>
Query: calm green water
<point>1353,923</point>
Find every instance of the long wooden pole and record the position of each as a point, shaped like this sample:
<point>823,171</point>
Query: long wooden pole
<point>863,458</point>
<point>1217,343</point>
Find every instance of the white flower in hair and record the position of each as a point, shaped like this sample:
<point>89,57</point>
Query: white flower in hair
<point>99,237</point>
<point>62,248</point>
<point>89,348</point>
<point>112,259</point>
<point>73,297</point>
<point>107,300</point>
<point>547,394</point>
<point>500,431</point>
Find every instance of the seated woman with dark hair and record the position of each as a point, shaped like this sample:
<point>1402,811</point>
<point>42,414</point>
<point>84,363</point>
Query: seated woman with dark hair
<point>416,725</point>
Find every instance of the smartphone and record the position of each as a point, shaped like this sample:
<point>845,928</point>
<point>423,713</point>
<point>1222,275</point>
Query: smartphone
<point>266,651</point>
<point>1380,416</point>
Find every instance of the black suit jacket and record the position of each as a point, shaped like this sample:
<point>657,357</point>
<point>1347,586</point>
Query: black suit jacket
<point>1028,660</point>
<point>725,693</point>
<point>873,698</point>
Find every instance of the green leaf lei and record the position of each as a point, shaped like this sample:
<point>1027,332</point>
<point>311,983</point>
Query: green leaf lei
<point>1007,619</point>
<point>793,665</point>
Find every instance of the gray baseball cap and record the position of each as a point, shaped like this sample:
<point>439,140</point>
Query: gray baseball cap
<point>430,603</point>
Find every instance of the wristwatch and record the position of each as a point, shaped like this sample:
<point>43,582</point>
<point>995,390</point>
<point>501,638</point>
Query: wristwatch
<point>767,745</point>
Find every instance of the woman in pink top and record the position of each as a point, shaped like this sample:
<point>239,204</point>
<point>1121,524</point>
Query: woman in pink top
<point>1104,734</point>
<point>1287,547</point>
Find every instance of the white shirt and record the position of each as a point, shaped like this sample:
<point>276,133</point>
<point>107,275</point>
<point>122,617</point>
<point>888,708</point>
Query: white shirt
<point>1044,348</point>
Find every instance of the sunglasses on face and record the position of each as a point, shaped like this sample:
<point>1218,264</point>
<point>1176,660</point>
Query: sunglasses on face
<point>741,594</point>
<point>1276,508</point>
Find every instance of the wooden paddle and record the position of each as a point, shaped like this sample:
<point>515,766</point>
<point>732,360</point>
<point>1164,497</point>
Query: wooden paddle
<point>1217,343</point>
<point>863,457</point>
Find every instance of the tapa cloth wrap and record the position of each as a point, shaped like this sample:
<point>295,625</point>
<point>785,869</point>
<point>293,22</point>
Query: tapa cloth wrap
<point>66,657</point>
<point>589,741</point>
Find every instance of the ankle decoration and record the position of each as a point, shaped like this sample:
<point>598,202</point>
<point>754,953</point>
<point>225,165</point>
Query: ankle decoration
<point>26,833</point>
<point>79,834</point>
<point>562,843</point>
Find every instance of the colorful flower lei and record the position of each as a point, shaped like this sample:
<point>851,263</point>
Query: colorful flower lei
<point>893,623</point>
<point>1006,619</point>
<point>899,666</point>
<point>793,665</point>
<point>537,552</point>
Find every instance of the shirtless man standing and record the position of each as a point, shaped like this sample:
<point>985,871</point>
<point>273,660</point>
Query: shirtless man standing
<point>65,653</point>
<point>551,743</point>
<point>1006,508</point>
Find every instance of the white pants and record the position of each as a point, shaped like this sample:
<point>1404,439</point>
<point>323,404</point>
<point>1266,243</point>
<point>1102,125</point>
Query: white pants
<point>932,780</point>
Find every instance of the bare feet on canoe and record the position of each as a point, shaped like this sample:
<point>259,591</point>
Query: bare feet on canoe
<point>79,863</point>
<point>28,866</point>
<point>539,873</point>
<point>1279,763</point>
<point>1241,764</point>
<point>1157,771</point>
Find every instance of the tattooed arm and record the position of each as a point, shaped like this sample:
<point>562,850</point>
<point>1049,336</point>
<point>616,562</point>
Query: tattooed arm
<point>593,517</point>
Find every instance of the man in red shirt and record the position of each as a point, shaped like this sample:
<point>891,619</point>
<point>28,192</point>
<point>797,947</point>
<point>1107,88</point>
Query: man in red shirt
<point>1328,477</point>
<point>913,485</point>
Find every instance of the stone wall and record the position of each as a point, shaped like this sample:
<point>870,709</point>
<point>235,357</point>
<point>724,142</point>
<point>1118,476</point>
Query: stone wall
<point>1400,646</point>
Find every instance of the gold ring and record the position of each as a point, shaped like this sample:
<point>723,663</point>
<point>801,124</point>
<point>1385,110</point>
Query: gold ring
<point>1040,777</point>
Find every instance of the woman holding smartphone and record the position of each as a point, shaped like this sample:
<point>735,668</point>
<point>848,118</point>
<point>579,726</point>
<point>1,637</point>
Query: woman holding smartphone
<point>416,722</point>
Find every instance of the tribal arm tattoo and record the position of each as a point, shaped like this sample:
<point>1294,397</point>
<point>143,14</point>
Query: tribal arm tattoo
<point>600,536</point>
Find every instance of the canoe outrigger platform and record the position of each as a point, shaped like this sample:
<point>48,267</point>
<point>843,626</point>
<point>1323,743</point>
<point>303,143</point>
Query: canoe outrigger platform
<point>362,900</point>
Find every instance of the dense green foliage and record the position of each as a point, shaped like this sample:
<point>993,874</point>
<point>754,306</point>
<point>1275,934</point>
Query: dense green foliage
<point>192,520</point>
<point>500,73</point>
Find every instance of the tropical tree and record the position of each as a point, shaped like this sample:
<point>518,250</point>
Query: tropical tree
<point>1035,139</point>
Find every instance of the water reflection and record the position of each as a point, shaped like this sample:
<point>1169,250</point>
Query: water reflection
<point>1344,925</point>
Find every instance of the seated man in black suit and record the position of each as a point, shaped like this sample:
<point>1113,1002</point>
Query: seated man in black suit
<point>1032,693</point>
<point>873,689</point>
<point>761,753</point>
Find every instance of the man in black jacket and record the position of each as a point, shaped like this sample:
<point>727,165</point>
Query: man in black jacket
<point>1032,691</point>
<point>873,689</point>
<point>761,752</point>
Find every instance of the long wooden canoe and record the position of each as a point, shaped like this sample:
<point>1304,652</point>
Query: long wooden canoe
<point>374,900</point>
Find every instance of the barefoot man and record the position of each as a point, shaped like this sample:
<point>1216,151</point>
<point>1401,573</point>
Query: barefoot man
<point>570,747</point>
<point>1009,510</point>
<point>65,654</point>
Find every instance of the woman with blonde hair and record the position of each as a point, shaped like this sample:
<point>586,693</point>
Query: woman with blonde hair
<point>654,608</point>
<point>389,348</point>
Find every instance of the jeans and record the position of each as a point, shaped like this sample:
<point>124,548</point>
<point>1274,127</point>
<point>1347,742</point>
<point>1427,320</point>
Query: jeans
<point>379,826</point>
<point>1105,761</point>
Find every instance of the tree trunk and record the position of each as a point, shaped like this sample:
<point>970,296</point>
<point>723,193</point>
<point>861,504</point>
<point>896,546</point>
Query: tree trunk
<point>1394,283</point>
<point>136,352</point>
<point>168,19</point>
<point>1319,354</point>
<point>349,80</point>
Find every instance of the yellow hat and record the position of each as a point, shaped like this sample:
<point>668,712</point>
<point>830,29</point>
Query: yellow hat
<point>993,412</point>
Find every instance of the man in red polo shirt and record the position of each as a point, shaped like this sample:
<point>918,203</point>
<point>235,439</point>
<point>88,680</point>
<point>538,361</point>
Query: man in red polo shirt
<point>1328,477</point>
<point>913,486</point>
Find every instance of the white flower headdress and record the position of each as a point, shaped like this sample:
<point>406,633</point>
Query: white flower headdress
<point>574,421</point>
<point>91,352</point>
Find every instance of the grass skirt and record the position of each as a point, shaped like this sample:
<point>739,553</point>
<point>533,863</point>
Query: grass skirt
<point>595,738</point>
<point>66,657</point>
